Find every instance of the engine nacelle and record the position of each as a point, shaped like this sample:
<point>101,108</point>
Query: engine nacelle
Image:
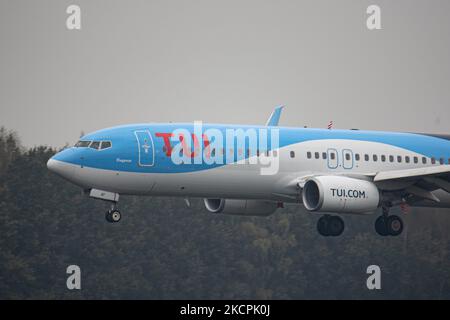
<point>241,207</point>
<point>340,194</point>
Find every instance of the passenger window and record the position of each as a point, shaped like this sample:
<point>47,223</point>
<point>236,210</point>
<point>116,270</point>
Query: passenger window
<point>347,156</point>
<point>441,160</point>
<point>292,154</point>
<point>416,160</point>
<point>407,159</point>
<point>375,158</point>
<point>366,157</point>
<point>308,155</point>
<point>424,160</point>
<point>95,145</point>
<point>383,158</point>
<point>357,156</point>
<point>213,152</point>
<point>324,155</point>
<point>391,158</point>
<point>433,160</point>
<point>399,159</point>
<point>106,145</point>
<point>332,155</point>
<point>316,155</point>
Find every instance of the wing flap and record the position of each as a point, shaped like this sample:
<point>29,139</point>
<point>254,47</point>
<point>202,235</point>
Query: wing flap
<point>421,193</point>
<point>440,183</point>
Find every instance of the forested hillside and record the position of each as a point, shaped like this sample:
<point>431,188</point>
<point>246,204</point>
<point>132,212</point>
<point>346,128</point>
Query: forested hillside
<point>163,250</point>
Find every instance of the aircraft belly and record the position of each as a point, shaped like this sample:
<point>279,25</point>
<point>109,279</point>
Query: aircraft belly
<point>219,182</point>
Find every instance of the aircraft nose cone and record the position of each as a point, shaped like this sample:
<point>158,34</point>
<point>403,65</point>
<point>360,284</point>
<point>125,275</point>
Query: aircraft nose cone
<point>54,166</point>
<point>60,168</point>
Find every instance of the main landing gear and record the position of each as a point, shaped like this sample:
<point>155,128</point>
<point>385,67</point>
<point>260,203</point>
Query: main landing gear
<point>387,225</point>
<point>113,215</point>
<point>330,226</point>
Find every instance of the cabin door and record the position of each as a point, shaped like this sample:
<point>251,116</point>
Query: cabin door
<point>146,148</point>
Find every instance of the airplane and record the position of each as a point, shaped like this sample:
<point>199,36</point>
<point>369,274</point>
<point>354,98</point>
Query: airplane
<point>330,172</point>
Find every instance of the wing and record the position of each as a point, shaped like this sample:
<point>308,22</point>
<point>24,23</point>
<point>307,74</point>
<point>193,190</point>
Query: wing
<point>417,184</point>
<point>443,170</point>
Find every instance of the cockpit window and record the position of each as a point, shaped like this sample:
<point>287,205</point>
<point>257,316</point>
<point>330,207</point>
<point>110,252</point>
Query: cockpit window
<point>106,145</point>
<point>95,145</point>
<point>82,144</point>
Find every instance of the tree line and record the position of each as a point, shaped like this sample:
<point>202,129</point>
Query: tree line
<point>163,250</point>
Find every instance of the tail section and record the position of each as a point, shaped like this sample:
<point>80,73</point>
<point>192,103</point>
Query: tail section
<point>275,117</point>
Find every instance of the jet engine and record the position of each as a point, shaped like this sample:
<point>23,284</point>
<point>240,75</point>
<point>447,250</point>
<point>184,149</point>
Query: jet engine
<point>241,207</point>
<point>340,194</point>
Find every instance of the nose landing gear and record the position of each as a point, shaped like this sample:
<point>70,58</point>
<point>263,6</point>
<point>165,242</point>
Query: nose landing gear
<point>113,215</point>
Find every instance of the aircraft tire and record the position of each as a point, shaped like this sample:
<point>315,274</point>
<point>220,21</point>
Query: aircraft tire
<point>394,225</point>
<point>322,226</point>
<point>113,216</point>
<point>335,226</point>
<point>381,226</point>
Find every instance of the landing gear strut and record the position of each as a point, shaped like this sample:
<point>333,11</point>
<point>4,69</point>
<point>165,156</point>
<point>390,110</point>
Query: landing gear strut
<point>113,215</point>
<point>330,226</point>
<point>387,225</point>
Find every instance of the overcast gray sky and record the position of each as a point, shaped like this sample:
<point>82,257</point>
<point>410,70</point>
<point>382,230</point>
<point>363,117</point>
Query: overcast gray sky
<point>226,61</point>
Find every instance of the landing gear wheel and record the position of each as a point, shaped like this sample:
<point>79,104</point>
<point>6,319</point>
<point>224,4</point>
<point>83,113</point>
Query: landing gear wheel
<point>113,216</point>
<point>322,226</point>
<point>335,226</point>
<point>330,226</point>
<point>394,225</point>
<point>381,226</point>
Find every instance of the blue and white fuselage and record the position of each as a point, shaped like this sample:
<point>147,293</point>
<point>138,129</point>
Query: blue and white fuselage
<point>138,159</point>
